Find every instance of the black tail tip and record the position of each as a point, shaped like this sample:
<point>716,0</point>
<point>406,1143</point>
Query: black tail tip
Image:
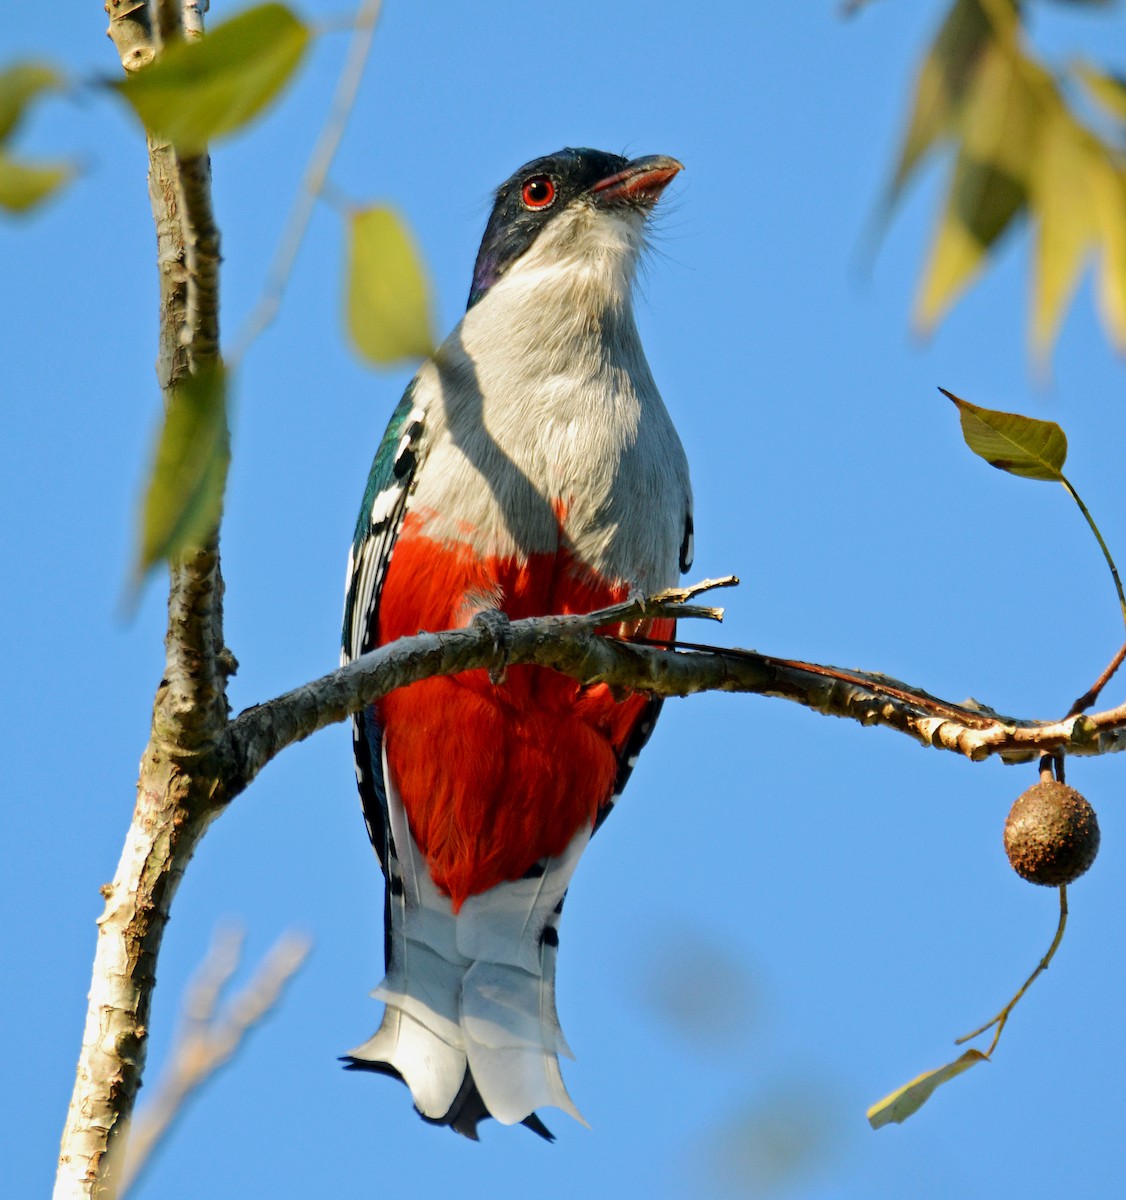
<point>532,1122</point>
<point>366,1064</point>
<point>466,1112</point>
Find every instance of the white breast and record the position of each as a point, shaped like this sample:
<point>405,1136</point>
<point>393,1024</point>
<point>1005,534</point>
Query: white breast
<point>535,406</point>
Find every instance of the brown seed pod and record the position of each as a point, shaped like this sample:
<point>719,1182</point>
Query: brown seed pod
<point>1051,834</point>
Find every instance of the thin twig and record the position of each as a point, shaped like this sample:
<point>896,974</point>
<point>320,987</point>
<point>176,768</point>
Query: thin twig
<point>1092,693</point>
<point>877,684</point>
<point>1002,1017</point>
<point>166,17</point>
<point>670,602</point>
<point>193,17</point>
<point>316,172</point>
<point>208,1038</point>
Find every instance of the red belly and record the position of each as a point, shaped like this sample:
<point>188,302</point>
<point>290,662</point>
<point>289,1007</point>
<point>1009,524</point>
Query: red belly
<point>494,777</point>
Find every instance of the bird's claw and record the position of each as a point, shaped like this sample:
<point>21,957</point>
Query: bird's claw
<point>500,632</point>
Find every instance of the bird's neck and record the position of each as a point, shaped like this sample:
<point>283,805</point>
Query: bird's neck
<point>550,318</point>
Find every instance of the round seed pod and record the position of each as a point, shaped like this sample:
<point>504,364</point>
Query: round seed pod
<point>1051,834</point>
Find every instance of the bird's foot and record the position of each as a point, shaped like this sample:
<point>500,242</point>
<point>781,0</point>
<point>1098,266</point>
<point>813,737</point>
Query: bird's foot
<point>500,631</point>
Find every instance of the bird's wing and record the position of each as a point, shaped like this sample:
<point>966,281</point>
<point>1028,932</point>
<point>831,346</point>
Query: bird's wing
<point>381,516</point>
<point>647,721</point>
<point>628,755</point>
<point>688,543</point>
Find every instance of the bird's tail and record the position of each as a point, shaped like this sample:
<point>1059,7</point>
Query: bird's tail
<point>470,1024</point>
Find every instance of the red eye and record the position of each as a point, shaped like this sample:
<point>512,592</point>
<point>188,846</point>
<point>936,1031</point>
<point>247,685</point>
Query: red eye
<point>538,192</point>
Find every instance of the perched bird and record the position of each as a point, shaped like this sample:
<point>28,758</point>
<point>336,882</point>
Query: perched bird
<point>530,468</point>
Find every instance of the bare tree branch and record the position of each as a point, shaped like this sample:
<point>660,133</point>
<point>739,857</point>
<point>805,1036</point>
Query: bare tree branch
<point>570,644</point>
<point>313,181</point>
<point>208,1037</point>
<point>1092,694</point>
<point>175,793</point>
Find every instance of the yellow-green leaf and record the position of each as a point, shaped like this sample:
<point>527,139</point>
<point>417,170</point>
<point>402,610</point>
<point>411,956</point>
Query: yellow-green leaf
<point>1023,446</point>
<point>908,1099</point>
<point>999,124</point>
<point>207,87</point>
<point>388,298</point>
<point>23,185</point>
<point>981,204</point>
<point>1108,189</point>
<point>19,85</point>
<point>1066,225</point>
<point>1019,151</point>
<point>1108,90</point>
<point>942,83</point>
<point>184,498</point>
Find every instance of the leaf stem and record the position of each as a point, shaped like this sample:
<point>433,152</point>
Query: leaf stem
<point>1002,1017</point>
<point>1099,538</point>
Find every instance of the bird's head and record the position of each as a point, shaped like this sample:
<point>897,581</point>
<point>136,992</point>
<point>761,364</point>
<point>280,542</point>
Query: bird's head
<point>581,211</point>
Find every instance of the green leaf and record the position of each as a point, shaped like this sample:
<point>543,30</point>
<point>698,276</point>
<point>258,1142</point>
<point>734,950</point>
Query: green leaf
<point>19,85</point>
<point>1022,446</point>
<point>1000,126</point>
<point>905,1101</point>
<point>207,87</point>
<point>1020,151</point>
<point>942,84</point>
<point>1108,187</point>
<point>1109,90</point>
<point>23,185</point>
<point>1066,225</point>
<point>184,498</point>
<point>388,298</point>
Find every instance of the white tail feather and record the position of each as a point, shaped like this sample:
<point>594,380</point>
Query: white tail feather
<point>514,1082</point>
<point>474,988</point>
<point>433,1069</point>
<point>506,923</point>
<point>503,1006</point>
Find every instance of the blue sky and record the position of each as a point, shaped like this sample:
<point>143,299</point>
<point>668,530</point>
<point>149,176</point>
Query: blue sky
<point>788,916</point>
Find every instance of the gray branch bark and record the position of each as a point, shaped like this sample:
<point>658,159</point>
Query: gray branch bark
<point>573,646</point>
<point>175,797</point>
